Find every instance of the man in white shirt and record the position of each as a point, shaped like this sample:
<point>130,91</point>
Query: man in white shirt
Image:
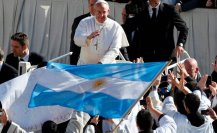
<point>99,37</point>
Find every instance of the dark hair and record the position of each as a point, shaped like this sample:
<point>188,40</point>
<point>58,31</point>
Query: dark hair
<point>20,37</point>
<point>0,105</point>
<point>135,6</point>
<point>192,102</point>
<point>144,120</point>
<point>178,100</point>
<point>49,127</point>
<point>1,54</point>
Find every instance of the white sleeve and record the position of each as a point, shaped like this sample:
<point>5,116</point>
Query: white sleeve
<point>113,50</point>
<point>169,107</point>
<point>14,128</point>
<point>155,99</point>
<point>81,34</point>
<point>205,103</point>
<point>90,129</point>
<point>167,125</point>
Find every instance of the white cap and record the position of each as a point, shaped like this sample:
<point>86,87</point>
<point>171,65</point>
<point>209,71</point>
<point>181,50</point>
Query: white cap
<point>101,1</point>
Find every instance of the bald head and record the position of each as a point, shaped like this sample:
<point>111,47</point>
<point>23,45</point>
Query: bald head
<point>191,67</point>
<point>101,10</point>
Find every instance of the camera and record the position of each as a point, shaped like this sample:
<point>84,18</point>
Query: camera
<point>204,112</point>
<point>164,78</point>
<point>208,81</point>
<point>142,102</point>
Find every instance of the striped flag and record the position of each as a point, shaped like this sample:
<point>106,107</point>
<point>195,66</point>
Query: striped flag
<point>51,93</point>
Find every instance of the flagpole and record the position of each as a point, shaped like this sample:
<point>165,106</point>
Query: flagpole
<point>129,110</point>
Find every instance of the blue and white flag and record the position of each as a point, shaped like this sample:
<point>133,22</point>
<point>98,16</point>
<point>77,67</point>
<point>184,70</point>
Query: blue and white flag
<point>51,93</point>
<point>107,90</point>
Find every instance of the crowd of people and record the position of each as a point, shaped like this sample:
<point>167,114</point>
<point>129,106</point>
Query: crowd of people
<point>174,104</point>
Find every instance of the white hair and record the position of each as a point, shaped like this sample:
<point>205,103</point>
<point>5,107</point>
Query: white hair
<point>101,2</point>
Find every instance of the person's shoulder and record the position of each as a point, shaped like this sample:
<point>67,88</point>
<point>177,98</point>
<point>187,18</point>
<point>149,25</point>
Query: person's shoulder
<point>36,56</point>
<point>79,18</point>
<point>87,19</point>
<point>168,6</point>
<point>113,22</point>
<point>11,55</point>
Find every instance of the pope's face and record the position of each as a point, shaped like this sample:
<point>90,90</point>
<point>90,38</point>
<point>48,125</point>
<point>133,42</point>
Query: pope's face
<point>101,12</point>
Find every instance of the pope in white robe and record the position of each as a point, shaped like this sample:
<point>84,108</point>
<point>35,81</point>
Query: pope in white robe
<point>99,37</point>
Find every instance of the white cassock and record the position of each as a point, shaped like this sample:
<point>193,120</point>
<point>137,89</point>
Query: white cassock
<point>103,48</point>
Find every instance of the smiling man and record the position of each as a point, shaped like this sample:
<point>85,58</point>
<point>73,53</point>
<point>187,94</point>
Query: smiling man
<point>99,37</point>
<point>20,51</point>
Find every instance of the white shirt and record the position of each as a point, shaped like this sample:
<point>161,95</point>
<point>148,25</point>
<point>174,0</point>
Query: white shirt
<point>167,125</point>
<point>112,37</point>
<point>26,57</point>
<point>151,11</point>
<point>182,122</point>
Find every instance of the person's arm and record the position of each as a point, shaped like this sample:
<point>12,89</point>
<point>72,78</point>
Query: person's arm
<point>156,114</point>
<point>82,37</point>
<point>179,84</point>
<point>167,124</point>
<point>183,31</point>
<point>213,115</point>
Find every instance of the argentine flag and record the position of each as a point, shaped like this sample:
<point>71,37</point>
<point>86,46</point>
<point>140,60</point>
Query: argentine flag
<point>107,90</point>
<point>54,92</point>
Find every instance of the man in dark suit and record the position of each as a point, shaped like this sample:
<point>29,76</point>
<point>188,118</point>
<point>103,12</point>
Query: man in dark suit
<point>7,72</point>
<point>20,51</point>
<point>73,47</point>
<point>155,25</point>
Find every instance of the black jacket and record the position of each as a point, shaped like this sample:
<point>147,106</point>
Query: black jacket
<point>7,72</point>
<point>34,59</point>
<point>155,38</point>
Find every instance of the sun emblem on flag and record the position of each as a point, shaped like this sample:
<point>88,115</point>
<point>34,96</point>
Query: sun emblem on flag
<point>97,84</point>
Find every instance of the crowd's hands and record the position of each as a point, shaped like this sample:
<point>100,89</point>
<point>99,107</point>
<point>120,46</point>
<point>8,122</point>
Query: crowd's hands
<point>179,84</point>
<point>213,88</point>
<point>3,117</point>
<point>202,83</point>
<point>182,83</point>
<point>178,7</point>
<point>212,113</point>
<point>95,120</point>
<point>172,79</point>
<point>182,69</point>
<point>138,60</point>
<point>179,50</point>
<point>93,34</point>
